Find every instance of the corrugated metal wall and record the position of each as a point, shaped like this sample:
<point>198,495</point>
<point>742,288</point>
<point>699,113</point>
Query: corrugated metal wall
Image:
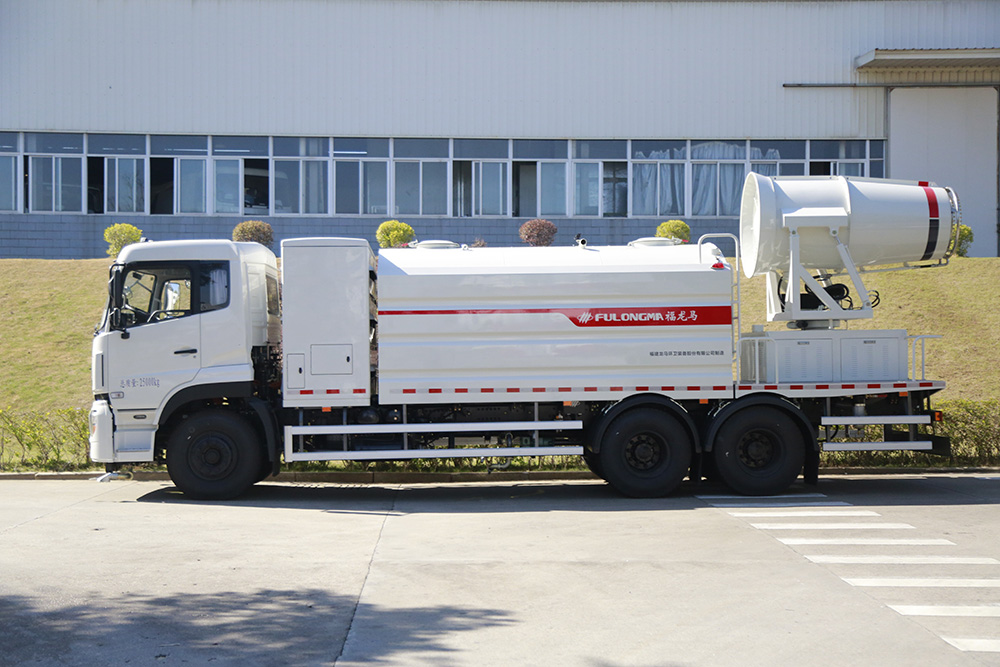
<point>472,68</point>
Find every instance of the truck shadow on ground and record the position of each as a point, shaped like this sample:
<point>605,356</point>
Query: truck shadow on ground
<point>595,496</point>
<point>484,497</point>
<point>266,627</point>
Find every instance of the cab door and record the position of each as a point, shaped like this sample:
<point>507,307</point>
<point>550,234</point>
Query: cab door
<point>156,348</point>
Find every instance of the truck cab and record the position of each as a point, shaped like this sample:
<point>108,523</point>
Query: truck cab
<point>183,321</point>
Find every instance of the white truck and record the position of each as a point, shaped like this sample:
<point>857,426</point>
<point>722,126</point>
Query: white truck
<point>630,356</point>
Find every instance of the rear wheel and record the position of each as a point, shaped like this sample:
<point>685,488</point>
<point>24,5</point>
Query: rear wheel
<point>759,451</point>
<point>214,455</point>
<point>645,453</point>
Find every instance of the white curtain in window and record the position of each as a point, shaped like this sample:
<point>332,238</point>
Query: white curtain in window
<point>218,287</point>
<point>704,188</point>
<point>730,188</point>
<point>643,188</point>
<point>671,189</point>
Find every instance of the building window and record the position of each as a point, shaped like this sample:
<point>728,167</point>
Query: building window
<point>717,172</point>
<point>116,184</point>
<point>479,183</point>
<point>538,182</point>
<point>300,186</point>
<point>421,182</point>
<point>361,183</point>
<point>837,157</point>
<point>243,178</point>
<point>8,171</point>
<point>55,182</point>
<point>658,177</point>
<point>601,186</point>
<point>178,181</point>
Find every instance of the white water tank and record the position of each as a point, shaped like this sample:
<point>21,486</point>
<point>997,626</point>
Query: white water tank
<point>880,221</point>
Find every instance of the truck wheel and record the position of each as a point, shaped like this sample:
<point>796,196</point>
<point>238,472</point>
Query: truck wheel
<point>214,455</point>
<point>645,453</point>
<point>759,451</point>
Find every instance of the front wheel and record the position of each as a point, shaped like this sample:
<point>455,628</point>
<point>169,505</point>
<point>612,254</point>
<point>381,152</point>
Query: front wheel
<point>214,455</point>
<point>645,453</point>
<point>759,451</point>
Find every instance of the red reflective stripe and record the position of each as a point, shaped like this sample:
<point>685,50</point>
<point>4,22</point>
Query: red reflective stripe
<point>770,387</point>
<point>926,384</point>
<point>875,386</point>
<point>694,388</point>
<point>590,388</point>
<point>822,386</point>
<point>847,386</point>
<point>409,391</point>
<point>617,388</point>
<point>306,392</point>
<point>360,391</point>
<point>923,183</point>
<point>746,387</point>
<point>461,390</point>
<point>565,389</point>
<point>486,390</point>
<point>642,388</point>
<point>720,388</point>
<point>435,390</point>
<point>606,317</point>
<point>666,388</point>
<point>932,203</point>
<point>538,389</point>
<point>333,391</point>
<point>513,390</point>
<point>900,385</point>
<point>797,386</point>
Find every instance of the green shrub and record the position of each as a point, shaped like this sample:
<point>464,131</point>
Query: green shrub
<point>120,235</point>
<point>255,231</point>
<point>674,229</point>
<point>55,440</point>
<point>538,232</point>
<point>393,234</point>
<point>964,240</point>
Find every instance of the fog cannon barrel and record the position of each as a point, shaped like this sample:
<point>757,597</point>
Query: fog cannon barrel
<point>880,221</point>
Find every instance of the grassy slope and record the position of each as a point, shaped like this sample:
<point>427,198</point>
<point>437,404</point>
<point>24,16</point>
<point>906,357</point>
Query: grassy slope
<point>48,309</point>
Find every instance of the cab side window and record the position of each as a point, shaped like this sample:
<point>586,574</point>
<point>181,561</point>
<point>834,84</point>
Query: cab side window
<point>168,290</point>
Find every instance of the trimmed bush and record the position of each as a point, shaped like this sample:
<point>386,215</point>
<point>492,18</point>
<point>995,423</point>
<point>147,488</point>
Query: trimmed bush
<point>393,234</point>
<point>674,229</point>
<point>538,232</point>
<point>120,235</point>
<point>964,240</point>
<point>479,243</point>
<point>254,231</point>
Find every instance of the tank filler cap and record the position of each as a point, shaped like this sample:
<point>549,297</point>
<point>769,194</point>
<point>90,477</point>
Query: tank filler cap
<point>436,245</point>
<point>655,241</point>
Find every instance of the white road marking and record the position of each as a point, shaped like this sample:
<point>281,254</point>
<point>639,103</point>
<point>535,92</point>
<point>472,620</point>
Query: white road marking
<point>832,526</point>
<point>946,610</point>
<point>787,496</point>
<point>978,645</point>
<point>902,582</point>
<point>861,541</point>
<point>809,513</point>
<point>904,560</point>
<point>774,503</point>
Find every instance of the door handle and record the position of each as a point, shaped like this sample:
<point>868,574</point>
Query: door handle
<point>189,350</point>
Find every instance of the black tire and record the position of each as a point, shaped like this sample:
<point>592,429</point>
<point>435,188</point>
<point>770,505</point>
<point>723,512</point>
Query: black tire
<point>645,453</point>
<point>759,451</point>
<point>214,455</point>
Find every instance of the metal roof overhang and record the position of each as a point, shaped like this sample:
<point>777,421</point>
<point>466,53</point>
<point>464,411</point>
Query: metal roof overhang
<point>928,58</point>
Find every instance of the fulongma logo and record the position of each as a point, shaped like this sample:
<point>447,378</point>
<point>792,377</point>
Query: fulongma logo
<point>584,317</point>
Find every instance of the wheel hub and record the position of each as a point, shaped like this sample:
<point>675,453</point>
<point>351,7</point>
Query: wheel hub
<point>643,452</point>
<point>212,457</point>
<point>757,450</point>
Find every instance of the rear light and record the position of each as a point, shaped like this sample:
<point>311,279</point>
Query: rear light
<point>937,416</point>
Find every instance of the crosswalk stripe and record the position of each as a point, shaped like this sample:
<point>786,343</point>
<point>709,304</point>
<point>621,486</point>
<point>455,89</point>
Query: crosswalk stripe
<point>971,644</point>
<point>904,560</point>
<point>832,526</point>
<point>862,541</point>
<point>946,610</point>
<point>902,582</point>
<point>807,513</point>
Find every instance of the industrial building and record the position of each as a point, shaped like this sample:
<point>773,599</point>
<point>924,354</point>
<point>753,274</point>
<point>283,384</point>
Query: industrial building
<point>464,118</point>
